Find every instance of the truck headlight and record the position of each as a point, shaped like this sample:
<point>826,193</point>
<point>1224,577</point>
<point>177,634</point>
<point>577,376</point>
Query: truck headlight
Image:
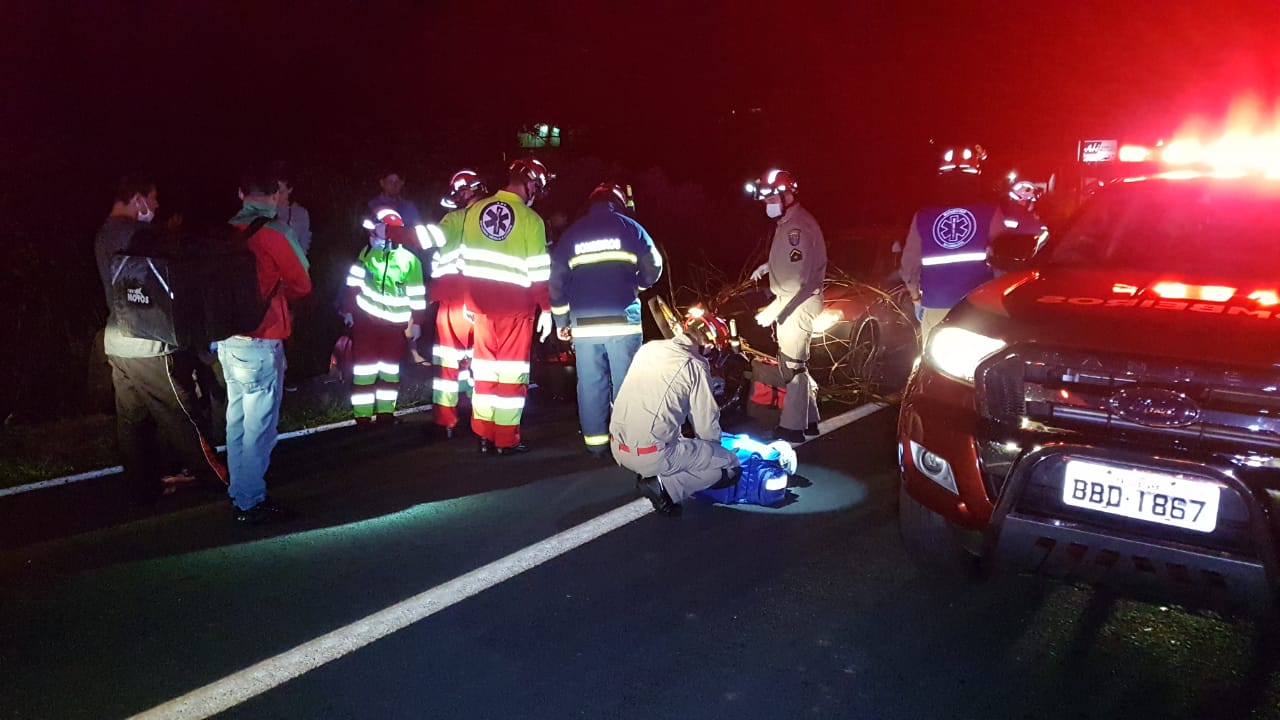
<point>958,352</point>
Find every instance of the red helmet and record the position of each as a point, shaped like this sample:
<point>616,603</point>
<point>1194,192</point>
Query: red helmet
<point>613,192</point>
<point>772,183</point>
<point>463,181</point>
<point>963,158</point>
<point>531,169</point>
<point>383,218</point>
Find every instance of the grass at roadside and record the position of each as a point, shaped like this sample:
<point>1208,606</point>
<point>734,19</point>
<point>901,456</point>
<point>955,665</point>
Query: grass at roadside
<point>31,453</point>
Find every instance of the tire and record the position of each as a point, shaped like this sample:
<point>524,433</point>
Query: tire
<point>932,542</point>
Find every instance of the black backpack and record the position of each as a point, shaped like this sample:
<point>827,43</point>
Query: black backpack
<point>190,293</point>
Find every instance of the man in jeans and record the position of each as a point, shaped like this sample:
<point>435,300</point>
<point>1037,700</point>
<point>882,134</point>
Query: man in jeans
<point>253,365</point>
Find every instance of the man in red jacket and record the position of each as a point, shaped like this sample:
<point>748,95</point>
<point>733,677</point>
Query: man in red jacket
<point>253,365</point>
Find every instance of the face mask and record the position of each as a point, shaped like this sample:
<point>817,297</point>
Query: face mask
<point>378,243</point>
<point>145,212</point>
<point>773,209</point>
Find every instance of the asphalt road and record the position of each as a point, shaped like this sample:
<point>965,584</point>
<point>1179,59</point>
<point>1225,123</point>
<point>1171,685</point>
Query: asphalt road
<point>810,610</point>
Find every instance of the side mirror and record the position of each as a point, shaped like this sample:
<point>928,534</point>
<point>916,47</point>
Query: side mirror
<point>1011,252</point>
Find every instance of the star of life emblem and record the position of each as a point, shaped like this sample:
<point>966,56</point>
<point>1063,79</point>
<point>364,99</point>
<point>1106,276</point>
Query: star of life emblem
<point>954,228</point>
<point>497,221</point>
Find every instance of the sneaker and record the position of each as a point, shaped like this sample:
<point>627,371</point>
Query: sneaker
<point>263,513</point>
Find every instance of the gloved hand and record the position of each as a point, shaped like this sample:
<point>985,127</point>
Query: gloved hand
<point>348,319</point>
<point>544,326</point>
<point>760,272</point>
<point>413,331</point>
<point>564,334</point>
<point>767,316</point>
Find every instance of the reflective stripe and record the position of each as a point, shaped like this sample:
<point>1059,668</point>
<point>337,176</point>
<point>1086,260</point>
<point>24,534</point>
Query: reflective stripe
<point>384,299</point>
<point>543,275</point>
<point>369,369</point>
<point>482,400</point>
<point>353,281</point>
<point>592,331</point>
<point>429,236</point>
<point>415,290</point>
<point>444,385</point>
<point>513,371</point>
<point>358,270</point>
<point>559,309</point>
<point>445,352</point>
<point>596,439</point>
<point>464,376</point>
<point>956,258</point>
<point>389,315</point>
<point>362,398</point>
<point>503,276</point>
<point>606,256</point>
<point>389,368</point>
<point>497,258</point>
<point>419,304</point>
<point>384,394</point>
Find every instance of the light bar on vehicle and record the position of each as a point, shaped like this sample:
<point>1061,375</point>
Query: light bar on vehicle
<point>1180,291</point>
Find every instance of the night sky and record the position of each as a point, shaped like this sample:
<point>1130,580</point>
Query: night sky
<point>689,99</point>
<point>841,88</point>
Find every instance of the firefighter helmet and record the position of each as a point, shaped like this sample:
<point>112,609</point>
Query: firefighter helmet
<point>385,216</point>
<point>613,192</point>
<point>531,169</point>
<point>463,182</point>
<point>774,182</point>
<point>963,158</point>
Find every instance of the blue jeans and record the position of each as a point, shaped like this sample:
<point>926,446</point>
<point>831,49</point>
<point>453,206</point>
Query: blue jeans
<point>602,363</point>
<point>254,371</point>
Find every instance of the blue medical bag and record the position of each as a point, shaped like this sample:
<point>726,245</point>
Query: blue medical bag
<point>766,468</point>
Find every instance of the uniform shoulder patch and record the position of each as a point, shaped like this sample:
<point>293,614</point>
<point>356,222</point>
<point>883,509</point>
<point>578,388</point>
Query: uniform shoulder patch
<point>497,220</point>
<point>793,236</point>
<point>796,255</point>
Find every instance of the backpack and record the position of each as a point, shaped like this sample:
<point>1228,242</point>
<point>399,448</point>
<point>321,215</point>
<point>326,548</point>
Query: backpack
<point>192,293</point>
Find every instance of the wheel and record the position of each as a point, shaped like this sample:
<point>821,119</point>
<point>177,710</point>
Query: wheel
<point>932,541</point>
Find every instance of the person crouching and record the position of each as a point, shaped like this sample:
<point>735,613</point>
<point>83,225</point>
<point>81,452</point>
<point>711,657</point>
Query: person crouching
<point>668,383</point>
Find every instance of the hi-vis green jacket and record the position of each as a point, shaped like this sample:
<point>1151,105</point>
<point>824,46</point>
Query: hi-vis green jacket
<point>387,284</point>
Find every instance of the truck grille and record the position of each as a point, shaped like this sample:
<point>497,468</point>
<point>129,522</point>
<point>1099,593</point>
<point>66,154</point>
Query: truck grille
<point>1043,390</point>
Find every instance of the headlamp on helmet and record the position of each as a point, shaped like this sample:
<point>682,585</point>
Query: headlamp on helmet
<point>773,183</point>
<point>464,185</point>
<point>966,159</point>
<point>614,193</point>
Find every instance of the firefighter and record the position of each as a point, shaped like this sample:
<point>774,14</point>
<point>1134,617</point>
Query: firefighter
<point>504,268</point>
<point>796,268</point>
<point>668,384</point>
<point>945,253</point>
<point>385,302</point>
<point>452,351</point>
<point>598,268</point>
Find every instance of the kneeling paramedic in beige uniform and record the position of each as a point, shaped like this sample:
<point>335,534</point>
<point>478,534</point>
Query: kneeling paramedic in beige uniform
<point>668,383</point>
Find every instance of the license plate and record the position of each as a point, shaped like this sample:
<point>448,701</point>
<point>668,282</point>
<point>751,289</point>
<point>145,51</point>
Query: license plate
<point>1154,497</point>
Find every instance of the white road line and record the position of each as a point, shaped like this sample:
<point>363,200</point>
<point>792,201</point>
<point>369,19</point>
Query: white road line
<point>250,682</point>
<point>847,417</point>
<point>92,474</point>
<point>242,686</point>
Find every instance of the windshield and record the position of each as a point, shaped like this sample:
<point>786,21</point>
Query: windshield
<point>1191,227</point>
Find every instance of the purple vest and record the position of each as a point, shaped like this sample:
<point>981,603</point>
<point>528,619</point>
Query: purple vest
<point>953,252</point>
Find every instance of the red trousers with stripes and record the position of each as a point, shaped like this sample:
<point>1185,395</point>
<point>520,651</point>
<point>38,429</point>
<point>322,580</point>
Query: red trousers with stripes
<point>454,329</point>
<point>503,344</point>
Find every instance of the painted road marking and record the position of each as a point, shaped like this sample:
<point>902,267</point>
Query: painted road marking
<point>92,474</point>
<point>242,686</point>
<point>250,682</point>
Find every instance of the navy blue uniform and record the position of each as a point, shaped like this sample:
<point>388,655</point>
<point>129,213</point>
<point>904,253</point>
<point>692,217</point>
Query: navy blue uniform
<point>598,268</point>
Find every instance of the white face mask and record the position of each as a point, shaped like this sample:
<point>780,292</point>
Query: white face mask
<point>773,209</point>
<point>145,212</point>
<point>377,243</point>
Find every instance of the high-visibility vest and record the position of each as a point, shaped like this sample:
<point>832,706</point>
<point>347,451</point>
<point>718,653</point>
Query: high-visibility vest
<point>503,258</point>
<point>446,285</point>
<point>953,252</point>
<point>387,284</point>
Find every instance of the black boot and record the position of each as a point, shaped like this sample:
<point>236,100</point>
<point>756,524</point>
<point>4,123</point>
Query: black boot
<point>728,478</point>
<point>812,430</point>
<point>512,449</point>
<point>652,489</point>
<point>486,446</point>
